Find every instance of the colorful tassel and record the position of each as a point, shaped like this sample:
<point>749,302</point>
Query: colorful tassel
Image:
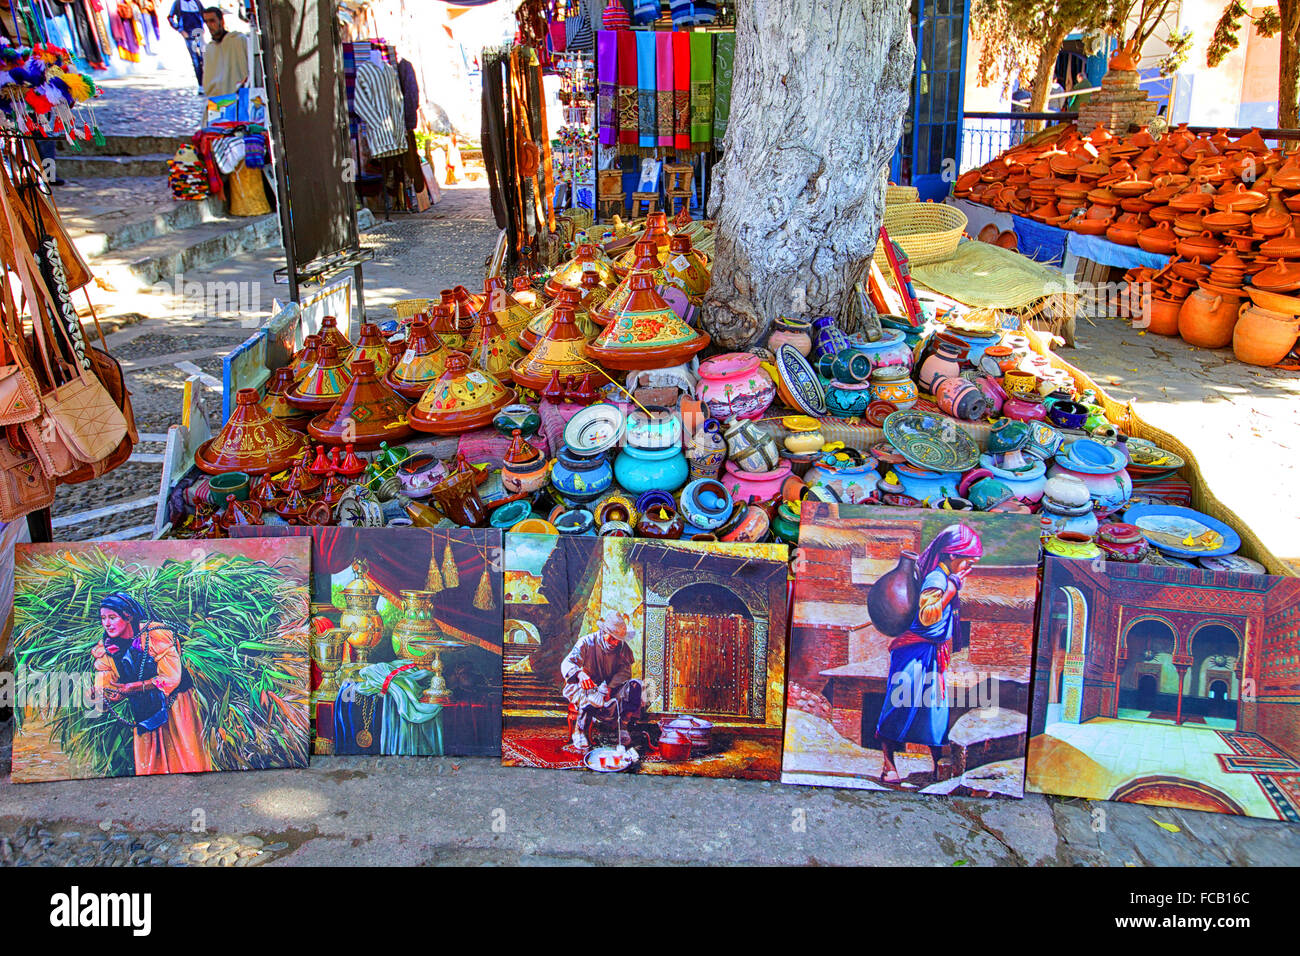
<point>449,572</point>
<point>433,582</point>
<point>483,596</point>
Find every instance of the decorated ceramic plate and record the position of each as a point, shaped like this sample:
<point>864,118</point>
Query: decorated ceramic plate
<point>1232,562</point>
<point>933,442</point>
<point>1149,460</point>
<point>595,429</point>
<point>1183,532</point>
<point>801,381</point>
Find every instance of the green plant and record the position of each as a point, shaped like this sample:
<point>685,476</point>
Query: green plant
<point>241,625</point>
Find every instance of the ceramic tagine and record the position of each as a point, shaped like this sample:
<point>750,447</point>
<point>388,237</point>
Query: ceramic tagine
<point>452,319</point>
<point>372,345</point>
<point>524,468</point>
<point>367,412</point>
<point>686,269</point>
<point>329,334</point>
<point>423,362</point>
<point>558,353</point>
<point>656,235</point>
<point>646,261</point>
<point>541,321</point>
<point>646,333</point>
<point>491,348</point>
<point>305,357</point>
<point>508,312</point>
<point>734,385</point>
<point>586,259</point>
<point>251,441</point>
<point>461,400</point>
<point>277,406</point>
<point>322,384</point>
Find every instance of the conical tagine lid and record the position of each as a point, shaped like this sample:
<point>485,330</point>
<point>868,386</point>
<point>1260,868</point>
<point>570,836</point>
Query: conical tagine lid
<point>329,334</point>
<point>509,313</point>
<point>251,441</point>
<point>646,333</point>
<point>372,345</point>
<point>461,400</point>
<point>367,413</point>
<point>275,403</point>
<point>423,361</point>
<point>687,269</point>
<point>323,383</point>
<point>525,295</point>
<point>491,348</point>
<point>539,323</point>
<point>560,349</point>
<point>306,357</point>
<point>446,321</point>
<point>587,259</point>
<point>646,261</point>
<point>656,233</point>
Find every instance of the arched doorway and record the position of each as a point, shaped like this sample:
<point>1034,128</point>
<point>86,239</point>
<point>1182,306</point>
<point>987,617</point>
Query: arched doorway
<point>1148,681</point>
<point>1213,685</point>
<point>1147,689</point>
<point>708,651</point>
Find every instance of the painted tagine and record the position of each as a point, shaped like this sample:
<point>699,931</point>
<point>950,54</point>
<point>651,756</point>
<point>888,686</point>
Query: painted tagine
<point>367,412</point>
<point>646,261</point>
<point>251,441</point>
<point>586,259</point>
<point>277,406</point>
<point>507,311</point>
<point>735,385</point>
<point>461,400</point>
<point>322,384</point>
<point>423,362</point>
<point>686,269</point>
<point>541,321</point>
<point>330,334</point>
<point>491,348</point>
<point>558,353</point>
<point>646,333</point>
<point>372,345</point>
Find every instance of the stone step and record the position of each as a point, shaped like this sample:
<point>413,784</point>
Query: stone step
<point>140,266</point>
<point>103,167</point>
<point>109,231</point>
<point>127,146</point>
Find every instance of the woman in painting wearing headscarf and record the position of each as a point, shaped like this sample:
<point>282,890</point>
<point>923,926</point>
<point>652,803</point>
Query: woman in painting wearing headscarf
<point>916,699</point>
<point>139,660</point>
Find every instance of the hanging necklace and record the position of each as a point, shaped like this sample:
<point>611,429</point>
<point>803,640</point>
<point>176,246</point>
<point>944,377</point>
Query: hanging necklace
<point>364,738</point>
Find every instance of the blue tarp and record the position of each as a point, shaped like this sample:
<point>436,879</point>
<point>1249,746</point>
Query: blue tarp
<point>1109,253</point>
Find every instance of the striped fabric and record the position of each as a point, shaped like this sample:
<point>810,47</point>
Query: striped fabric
<point>615,16</point>
<point>378,102</point>
<point>686,13</point>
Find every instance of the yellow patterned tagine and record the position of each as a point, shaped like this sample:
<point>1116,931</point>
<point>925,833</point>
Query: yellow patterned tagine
<point>461,400</point>
<point>587,259</point>
<point>562,349</point>
<point>542,321</point>
<point>656,234</point>
<point>687,269</point>
<point>646,261</point>
<point>646,333</point>
<point>509,313</point>
<point>423,362</point>
<point>372,345</point>
<point>491,348</point>
<point>322,384</point>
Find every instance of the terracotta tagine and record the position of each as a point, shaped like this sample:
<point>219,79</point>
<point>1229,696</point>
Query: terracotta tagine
<point>510,314</point>
<point>558,353</point>
<point>329,334</point>
<point>539,323</point>
<point>461,400</point>
<point>646,261</point>
<point>686,269</point>
<point>305,357</point>
<point>322,384</point>
<point>656,235</point>
<point>367,412</point>
<point>275,403</point>
<point>372,345</point>
<point>490,347</point>
<point>646,333</point>
<point>421,364</point>
<point>251,441</point>
<point>586,259</point>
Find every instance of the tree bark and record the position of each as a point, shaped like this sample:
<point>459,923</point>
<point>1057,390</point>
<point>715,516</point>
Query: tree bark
<point>1288,94</point>
<point>817,102</point>
<point>1046,70</point>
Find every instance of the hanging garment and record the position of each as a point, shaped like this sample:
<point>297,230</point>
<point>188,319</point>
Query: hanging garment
<point>627,92</point>
<point>724,56</point>
<point>494,140</point>
<point>225,64</point>
<point>87,39</point>
<point>682,91</point>
<point>410,94</point>
<point>664,88</point>
<point>701,91</point>
<point>645,92</point>
<point>686,13</point>
<point>607,86</point>
<point>379,105</point>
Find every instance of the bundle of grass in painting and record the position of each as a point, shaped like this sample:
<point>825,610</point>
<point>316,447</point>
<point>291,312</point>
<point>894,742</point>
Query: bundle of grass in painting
<point>241,625</point>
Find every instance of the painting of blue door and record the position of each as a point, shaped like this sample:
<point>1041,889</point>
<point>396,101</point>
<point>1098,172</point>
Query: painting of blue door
<point>932,127</point>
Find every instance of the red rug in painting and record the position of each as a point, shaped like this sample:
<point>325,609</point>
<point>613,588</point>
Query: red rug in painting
<point>549,750</point>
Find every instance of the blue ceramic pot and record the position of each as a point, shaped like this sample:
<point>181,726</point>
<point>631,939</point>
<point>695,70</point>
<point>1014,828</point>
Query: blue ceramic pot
<point>1026,485</point>
<point>921,484</point>
<point>847,401</point>
<point>828,339</point>
<point>645,469</point>
<point>851,367</point>
<point>581,479</point>
<point>706,505</point>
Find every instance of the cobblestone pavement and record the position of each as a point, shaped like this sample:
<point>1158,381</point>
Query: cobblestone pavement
<point>166,103</point>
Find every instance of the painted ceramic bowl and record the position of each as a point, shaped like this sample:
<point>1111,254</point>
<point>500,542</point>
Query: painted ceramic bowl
<point>523,417</point>
<point>706,504</point>
<point>595,429</point>
<point>798,383</point>
<point>931,442</point>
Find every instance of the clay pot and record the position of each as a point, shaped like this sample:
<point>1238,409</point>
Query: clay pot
<point>1159,239</point>
<point>1261,337</point>
<point>1163,319</point>
<point>1206,320</point>
<point>1282,276</point>
<point>1204,247</point>
<point>1273,220</point>
<point>891,601</point>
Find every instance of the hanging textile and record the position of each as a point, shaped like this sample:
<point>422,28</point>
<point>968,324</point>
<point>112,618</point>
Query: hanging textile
<point>645,93</point>
<point>607,86</point>
<point>724,55</point>
<point>681,90</point>
<point>494,138</point>
<point>379,104</point>
<point>701,91</point>
<point>627,91</point>
<point>664,88</point>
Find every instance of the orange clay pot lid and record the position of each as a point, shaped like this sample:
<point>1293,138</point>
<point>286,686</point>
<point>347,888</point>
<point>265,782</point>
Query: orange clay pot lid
<point>367,412</point>
<point>251,441</point>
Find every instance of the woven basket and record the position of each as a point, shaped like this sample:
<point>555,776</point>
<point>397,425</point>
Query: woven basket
<point>247,194</point>
<point>927,231</point>
<point>899,194</point>
<point>1127,418</point>
<point>408,309</point>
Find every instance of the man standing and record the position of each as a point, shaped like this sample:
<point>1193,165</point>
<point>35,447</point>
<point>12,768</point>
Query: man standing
<point>186,18</point>
<point>597,679</point>
<point>225,60</point>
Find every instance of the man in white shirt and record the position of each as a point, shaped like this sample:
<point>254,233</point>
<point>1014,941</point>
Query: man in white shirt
<point>225,59</point>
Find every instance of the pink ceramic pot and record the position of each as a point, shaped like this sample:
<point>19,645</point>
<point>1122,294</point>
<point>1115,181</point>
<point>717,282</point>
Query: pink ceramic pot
<point>735,385</point>
<point>754,485</point>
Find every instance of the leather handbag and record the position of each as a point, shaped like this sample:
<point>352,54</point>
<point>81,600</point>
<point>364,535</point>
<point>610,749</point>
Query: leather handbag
<point>24,484</point>
<point>19,399</point>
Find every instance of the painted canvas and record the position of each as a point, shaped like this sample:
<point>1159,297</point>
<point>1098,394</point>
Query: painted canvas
<point>674,650</point>
<point>1169,686</point>
<point>406,640</point>
<point>911,643</point>
<point>151,657</point>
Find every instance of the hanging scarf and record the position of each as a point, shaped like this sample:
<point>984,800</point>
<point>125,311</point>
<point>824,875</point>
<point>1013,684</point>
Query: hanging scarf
<point>627,99</point>
<point>645,92</point>
<point>664,88</point>
<point>701,91</point>
<point>682,90</point>
<point>607,86</point>
<point>724,56</point>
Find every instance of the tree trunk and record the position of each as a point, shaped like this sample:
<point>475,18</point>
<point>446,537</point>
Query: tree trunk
<point>1044,74</point>
<point>817,102</point>
<point>1288,96</point>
